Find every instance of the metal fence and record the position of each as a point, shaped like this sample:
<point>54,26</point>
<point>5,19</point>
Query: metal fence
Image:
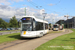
<point>4,33</point>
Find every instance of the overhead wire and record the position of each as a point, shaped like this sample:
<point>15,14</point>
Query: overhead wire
<point>58,2</point>
<point>36,5</point>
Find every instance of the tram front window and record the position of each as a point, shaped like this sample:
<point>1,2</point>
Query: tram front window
<point>55,26</point>
<point>26,27</point>
<point>26,24</point>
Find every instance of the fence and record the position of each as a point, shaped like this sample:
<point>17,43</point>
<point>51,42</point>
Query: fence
<point>4,33</point>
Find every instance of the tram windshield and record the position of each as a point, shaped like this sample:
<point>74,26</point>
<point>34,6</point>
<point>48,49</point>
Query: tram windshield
<point>55,26</point>
<point>26,27</point>
<point>26,24</point>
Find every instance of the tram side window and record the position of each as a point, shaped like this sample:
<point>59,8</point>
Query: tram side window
<point>46,26</point>
<point>39,26</point>
<point>34,25</point>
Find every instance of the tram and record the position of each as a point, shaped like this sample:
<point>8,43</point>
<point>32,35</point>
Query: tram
<point>55,27</point>
<point>33,27</point>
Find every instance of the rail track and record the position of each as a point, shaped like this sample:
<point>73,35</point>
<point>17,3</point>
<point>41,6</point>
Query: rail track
<point>13,43</point>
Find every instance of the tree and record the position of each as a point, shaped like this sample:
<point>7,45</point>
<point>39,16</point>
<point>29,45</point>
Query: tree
<point>3,24</point>
<point>13,22</point>
<point>50,24</point>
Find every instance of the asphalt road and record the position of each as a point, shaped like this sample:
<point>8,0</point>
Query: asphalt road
<point>9,32</point>
<point>31,44</point>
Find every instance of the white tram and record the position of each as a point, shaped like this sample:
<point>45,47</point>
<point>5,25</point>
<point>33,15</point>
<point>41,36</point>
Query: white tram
<point>33,27</point>
<point>56,27</point>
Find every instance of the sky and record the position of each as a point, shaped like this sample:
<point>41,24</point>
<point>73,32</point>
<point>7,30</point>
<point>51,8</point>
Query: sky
<point>55,9</point>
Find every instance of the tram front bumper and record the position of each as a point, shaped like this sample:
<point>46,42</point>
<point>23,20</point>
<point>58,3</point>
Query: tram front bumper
<point>28,36</point>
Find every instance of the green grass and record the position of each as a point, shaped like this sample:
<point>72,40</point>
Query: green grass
<point>64,42</point>
<point>12,37</point>
<point>9,30</point>
<point>9,37</point>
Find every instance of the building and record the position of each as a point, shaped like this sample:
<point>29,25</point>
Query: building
<point>70,23</point>
<point>60,22</point>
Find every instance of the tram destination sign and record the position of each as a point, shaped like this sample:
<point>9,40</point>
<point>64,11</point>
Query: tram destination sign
<point>26,18</point>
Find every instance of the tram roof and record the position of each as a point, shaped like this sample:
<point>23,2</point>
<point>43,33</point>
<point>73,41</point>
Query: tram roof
<point>37,19</point>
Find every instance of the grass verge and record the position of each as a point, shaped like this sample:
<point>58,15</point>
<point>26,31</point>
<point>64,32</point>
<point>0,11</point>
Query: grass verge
<point>15,36</point>
<point>64,42</point>
<point>9,37</point>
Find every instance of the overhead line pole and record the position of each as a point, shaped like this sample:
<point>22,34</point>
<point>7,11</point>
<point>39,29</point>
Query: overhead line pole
<point>25,11</point>
<point>67,20</point>
<point>44,14</point>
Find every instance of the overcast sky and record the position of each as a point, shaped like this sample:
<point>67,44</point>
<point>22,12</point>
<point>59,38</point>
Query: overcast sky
<point>55,9</point>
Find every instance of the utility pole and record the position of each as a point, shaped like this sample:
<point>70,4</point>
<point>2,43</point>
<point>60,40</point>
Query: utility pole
<point>74,21</point>
<point>44,14</point>
<point>67,20</point>
<point>25,11</point>
<point>53,21</point>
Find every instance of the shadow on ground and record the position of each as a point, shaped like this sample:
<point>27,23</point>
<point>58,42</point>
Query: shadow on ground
<point>66,40</point>
<point>20,38</point>
<point>72,38</point>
